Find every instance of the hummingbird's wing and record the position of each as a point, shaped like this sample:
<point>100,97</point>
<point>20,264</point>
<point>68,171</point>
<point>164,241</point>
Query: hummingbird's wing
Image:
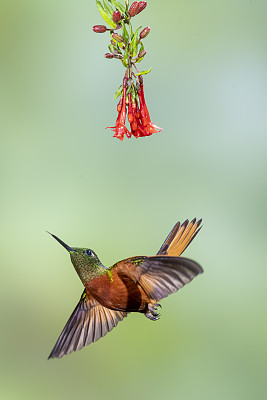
<point>166,272</point>
<point>89,322</point>
<point>180,237</point>
<point>159,276</point>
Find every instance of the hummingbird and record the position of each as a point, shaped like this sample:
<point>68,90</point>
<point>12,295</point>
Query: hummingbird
<point>135,284</point>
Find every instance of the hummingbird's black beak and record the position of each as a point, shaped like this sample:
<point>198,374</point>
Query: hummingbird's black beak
<point>62,243</point>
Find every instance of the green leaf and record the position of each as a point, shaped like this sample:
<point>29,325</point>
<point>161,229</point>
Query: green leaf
<point>108,8</point>
<point>131,30</point>
<point>118,92</point>
<point>125,33</point>
<point>139,60</point>
<point>144,72</point>
<point>104,15</point>
<point>117,5</point>
<point>133,45</point>
<point>141,47</point>
<point>118,47</point>
<point>111,48</point>
<point>129,89</point>
<point>125,58</point>
<point>135,93</point>
<point>119,44</point>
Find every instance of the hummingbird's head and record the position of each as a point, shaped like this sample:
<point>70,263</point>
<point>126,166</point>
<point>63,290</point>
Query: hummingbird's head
<point>84,260</point>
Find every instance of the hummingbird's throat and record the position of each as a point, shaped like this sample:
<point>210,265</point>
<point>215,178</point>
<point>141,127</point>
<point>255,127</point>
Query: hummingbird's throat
<point>87,268</point>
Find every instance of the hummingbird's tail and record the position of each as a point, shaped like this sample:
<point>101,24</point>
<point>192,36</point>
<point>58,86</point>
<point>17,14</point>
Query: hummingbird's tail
<point>179,238</point>
<point>89,322</point>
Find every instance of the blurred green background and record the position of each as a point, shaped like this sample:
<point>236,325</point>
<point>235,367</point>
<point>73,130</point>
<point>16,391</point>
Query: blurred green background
<point>63,172</point>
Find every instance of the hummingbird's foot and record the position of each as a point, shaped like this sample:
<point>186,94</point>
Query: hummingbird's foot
<point>151,312</point>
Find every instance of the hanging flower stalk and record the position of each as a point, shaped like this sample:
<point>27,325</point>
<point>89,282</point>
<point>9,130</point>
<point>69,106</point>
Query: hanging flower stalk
<point>126,45</point>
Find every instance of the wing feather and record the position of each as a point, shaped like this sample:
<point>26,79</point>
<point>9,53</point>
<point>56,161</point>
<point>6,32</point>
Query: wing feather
<point>159,275</point>
<point>167,272</point>
<point>89,322</point>
<point>162,275</point>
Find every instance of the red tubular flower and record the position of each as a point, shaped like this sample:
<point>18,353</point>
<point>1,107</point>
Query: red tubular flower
<point>138,118</point>
<point>147,125</point>
<point>137,131</point>
<point>120,128</point>
<point>131,115</point>
<point>137,128</point>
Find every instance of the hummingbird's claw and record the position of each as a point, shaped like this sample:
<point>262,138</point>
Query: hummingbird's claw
<point>154,318</point>
<point>151,312</point>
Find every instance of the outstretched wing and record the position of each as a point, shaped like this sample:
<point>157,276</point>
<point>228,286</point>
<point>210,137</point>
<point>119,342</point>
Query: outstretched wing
<point>180,237</point>
<point>159,276</point>
<point>166,272</point>
<point>89,322</point>
<point>162,275</point>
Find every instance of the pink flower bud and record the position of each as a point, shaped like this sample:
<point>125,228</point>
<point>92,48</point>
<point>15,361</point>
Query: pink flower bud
<point>134,8</point>
<point>144,32</point>
<point>142,54</point>
<point>99,28</point>
<point>116,16</point>
<point>109,55</point>
<point>142,5</point>
<point>117,37</point>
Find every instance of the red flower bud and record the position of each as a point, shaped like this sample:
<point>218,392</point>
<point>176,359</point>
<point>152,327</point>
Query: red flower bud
<point>119,106</point>
<point>144,32</point>
<point>130,118</point>
<point>134,9</point>
<point>99,28</point>
<point>142,54</point>
<point>117,37</point>
<point>109,55</point>
<point>134,126</point>
<point>142,5</point>
<point>116,16</point>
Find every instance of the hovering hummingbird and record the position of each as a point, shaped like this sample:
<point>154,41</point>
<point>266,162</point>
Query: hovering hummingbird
<point>135,284</point>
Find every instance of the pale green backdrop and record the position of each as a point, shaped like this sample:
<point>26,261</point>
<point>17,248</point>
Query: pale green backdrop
<point>63,172</point>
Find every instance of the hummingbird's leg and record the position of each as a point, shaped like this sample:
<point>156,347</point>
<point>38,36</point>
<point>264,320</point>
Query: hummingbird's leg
<point>151,312</point>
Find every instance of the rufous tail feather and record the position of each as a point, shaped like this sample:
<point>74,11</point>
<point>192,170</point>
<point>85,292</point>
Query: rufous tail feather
<point>180,237</point>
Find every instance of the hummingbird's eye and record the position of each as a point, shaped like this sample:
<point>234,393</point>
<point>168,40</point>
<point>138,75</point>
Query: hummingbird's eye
<point>88,252</point>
